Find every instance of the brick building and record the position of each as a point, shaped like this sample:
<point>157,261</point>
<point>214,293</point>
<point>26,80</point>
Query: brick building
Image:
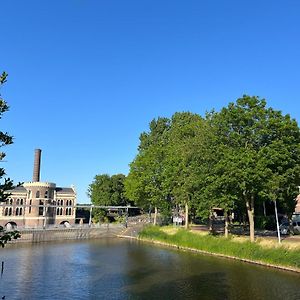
<point>38,204</point>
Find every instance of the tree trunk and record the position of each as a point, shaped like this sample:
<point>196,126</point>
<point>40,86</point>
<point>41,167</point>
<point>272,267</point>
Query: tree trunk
<point>211,223</point>
<point>155,216</point>
<point>226,224</point>
<point>186,216</point>
<point>250,212</point>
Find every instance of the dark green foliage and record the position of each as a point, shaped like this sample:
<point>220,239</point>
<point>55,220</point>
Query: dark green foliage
<point>6,236</point>
<point>235,160</point>
<point>108,190</point>
<point>5,139</point>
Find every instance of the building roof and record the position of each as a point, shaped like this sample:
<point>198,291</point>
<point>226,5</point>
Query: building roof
<point>64,190</point>
<point>18,189</point>
<point>59,190</point>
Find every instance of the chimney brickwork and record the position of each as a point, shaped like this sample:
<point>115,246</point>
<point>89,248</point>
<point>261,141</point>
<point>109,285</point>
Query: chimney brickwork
<point>37,165</point>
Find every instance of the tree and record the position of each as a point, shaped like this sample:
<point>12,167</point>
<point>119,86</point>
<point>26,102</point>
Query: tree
<point>183,169</point>
<point>99,190</point>
<point>108,190</point>
<point>144,183</point>
<point>258,154</point>
<point>7,184</point>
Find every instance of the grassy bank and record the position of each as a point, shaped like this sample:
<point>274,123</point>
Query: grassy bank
<point>279,256</point>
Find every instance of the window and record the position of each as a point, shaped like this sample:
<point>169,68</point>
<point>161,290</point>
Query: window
<point>18,202</point>
<point>30,202</point>
<point>46,194</point>
<point>21,201</point>
<point>6,211</point>
<point>41,208</point>
<point>17,211</point>
<point>10,211</point>
<point>21,211</point>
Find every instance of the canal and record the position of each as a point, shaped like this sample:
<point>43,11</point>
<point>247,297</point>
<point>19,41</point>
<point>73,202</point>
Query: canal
<point>123,269</point>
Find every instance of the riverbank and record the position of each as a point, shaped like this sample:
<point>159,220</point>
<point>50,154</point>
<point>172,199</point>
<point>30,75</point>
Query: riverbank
<point>281,257</point>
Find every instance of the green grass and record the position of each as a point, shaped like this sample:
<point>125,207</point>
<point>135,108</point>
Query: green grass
<point>279,256</point>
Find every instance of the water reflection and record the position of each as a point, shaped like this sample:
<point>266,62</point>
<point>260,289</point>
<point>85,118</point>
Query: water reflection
<point>121,269</point>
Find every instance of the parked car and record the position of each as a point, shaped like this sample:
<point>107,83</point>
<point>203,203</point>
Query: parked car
<point>284,228</point>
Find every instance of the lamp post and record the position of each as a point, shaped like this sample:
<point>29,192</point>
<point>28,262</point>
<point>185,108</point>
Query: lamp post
<point>277,223</point>
<point>90,219</point>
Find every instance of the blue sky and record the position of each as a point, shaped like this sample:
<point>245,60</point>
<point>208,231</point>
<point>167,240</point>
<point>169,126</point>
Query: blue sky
<point>86,77</point>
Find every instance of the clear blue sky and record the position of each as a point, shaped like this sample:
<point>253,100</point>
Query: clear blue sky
<point>87,76</point>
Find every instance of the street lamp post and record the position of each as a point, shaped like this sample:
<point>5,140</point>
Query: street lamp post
<point>90,219</point>
<point>277,222</point>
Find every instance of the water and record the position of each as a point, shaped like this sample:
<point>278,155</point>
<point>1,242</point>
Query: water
<point>122,269</point>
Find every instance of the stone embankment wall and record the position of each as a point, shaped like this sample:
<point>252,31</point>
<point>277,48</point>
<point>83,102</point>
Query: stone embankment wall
<point>59,234</point>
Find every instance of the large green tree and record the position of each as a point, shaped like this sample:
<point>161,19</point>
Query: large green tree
<point>108,190</point>
<point>258,155</point>
<point>183,165</point>
<point>144,183</point>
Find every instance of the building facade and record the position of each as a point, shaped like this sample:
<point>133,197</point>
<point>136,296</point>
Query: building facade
<point>297,209</point>
<point>38,204</point>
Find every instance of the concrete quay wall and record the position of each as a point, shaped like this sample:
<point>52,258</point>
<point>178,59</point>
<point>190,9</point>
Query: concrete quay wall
<point>60,234</point>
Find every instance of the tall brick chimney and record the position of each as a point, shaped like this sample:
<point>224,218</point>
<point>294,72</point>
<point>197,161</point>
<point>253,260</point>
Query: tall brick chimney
<point>37,165</point>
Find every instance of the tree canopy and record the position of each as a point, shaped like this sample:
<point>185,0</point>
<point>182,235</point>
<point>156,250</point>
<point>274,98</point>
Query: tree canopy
<point>6,184</point>
<point>236,158</point>
<point>108,190</point>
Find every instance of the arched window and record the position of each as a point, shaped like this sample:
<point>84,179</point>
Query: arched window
<point>46,194</point>
<point>10,211</point>
<point>10,201</point>
<point>70,202</point>
<point>18,202</point>
<point>57,211</point>
<point>21,202</point>
<point>6,211</point>
<point>61,211</point>
<point>41,208</point>
<point>37,194</point>
<point>21,211</point>
<point>17,211</point>
<point>30,202</point>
